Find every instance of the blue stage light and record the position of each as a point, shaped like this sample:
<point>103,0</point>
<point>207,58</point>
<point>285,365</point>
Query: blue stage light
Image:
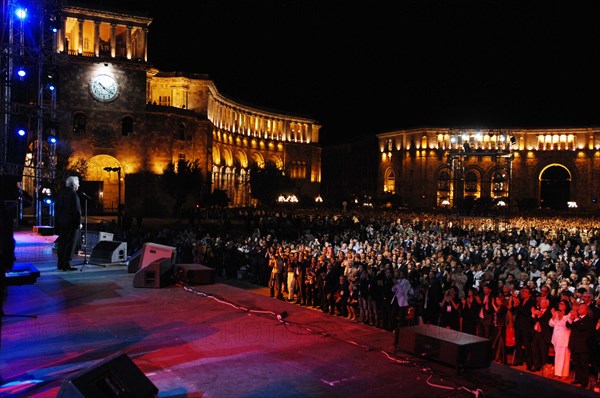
<point>21,132</point>
<point>21,13</point>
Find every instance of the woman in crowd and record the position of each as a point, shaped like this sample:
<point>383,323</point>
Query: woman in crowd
<point>450,309</point>
<point>560,339</point>
<point>499,330</point>
<point>470,312</point>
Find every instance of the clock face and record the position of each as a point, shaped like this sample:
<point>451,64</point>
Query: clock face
<point>104,88</point>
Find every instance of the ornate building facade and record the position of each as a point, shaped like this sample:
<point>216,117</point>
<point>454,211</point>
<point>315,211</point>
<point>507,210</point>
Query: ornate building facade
<point>552,168</point>
<point>119,113</point>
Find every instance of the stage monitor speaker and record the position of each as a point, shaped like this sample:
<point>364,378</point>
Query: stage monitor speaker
<point>108,252</point>
<point>115,377</point>
<point>93,237</point>
<point>194,274</point>
<point>155,275</point>
<point>461,350</point>
<point>153,251</point>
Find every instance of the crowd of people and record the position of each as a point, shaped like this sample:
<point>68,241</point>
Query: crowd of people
<point>531,285</point>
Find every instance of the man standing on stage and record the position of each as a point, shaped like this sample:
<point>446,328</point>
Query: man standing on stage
<point>68,223</point>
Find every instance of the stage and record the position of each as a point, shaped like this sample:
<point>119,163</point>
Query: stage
<point>221,339</point>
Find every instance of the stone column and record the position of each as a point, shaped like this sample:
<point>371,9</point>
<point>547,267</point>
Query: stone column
<point>128,42</point>
<point>145,43</point>
<point>80,36</point>
<point>113,40</point>
<point>97,38</point>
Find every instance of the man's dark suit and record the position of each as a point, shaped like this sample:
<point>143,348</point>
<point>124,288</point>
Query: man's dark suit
<point>523,333</point>
<point>542,337</point>
<point>582,331</point>
<point>68,222</point>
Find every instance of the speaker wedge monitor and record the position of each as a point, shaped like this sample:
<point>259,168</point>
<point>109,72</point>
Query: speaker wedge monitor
<point>154,251</point>
<point>116,376</point>
<point>157,274</point>
<point>109,252</point>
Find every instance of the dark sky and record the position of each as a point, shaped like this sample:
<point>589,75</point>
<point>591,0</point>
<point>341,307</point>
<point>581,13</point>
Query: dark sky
<point>372,67</point>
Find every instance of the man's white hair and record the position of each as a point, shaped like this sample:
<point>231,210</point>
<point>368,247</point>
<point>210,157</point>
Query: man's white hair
<point>71,181</point>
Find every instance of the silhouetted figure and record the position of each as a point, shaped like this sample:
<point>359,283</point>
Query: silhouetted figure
<point>68,223</point>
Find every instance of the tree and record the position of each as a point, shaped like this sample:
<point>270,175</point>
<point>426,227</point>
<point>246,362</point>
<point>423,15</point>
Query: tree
<point>268,182</point>
<point>219,198</point>
<point>181,181</point>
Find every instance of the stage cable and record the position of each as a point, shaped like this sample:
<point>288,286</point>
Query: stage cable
<point>281,318</point>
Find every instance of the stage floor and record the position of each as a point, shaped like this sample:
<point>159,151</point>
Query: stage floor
<point>214,340</point>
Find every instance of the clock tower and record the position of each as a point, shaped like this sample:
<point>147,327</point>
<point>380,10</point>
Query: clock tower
<point>101,63</point>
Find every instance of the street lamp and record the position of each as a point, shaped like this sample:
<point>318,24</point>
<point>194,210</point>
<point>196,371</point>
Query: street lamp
<point>118,171</point>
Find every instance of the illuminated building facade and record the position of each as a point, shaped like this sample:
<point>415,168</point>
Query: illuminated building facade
<point>116,111</point>
<point>523,168</point>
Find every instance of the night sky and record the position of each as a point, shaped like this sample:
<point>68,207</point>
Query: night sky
<point>370,68</point>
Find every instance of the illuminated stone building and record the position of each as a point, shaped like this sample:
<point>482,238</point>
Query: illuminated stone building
<point>523,168</point>
<point>118,112</point>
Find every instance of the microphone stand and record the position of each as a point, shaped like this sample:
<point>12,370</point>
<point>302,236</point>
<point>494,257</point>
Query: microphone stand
<point>85,256</point>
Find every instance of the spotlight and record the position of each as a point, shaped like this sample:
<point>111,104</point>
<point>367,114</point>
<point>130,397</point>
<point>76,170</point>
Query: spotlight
<point>21,72</point>
<point>21,13</point>
<point>51,87</point>
<point>21,132</point>
<point>52,140</point>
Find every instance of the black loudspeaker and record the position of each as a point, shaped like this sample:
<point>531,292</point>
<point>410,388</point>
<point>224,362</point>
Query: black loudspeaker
<point>108,251</point>
<point>194,274</point>
<point>157,274</point>
<point>115,377</point>
<point>461,350</point>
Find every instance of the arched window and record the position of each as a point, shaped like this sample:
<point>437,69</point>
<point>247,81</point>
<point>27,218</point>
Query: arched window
<point>390,182</point>
<point>471,182</point>
<point>127,126</point>
<point>79,123</point>
<point>443,181</point>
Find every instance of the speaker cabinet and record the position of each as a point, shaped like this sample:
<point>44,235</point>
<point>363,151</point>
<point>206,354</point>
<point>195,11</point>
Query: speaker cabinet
<point>153,251</point>
<point>93,237</point>
<point>108,251</point>
<point>194,274</point>
<point>116,376</point>
<point>155,275</point>
<point>461,350</point>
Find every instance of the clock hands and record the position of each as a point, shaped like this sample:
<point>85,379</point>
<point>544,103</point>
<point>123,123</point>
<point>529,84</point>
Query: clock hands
<point>110,90</point>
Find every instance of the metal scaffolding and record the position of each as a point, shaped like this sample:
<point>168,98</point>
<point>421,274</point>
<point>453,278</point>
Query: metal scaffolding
<point>29,100</point>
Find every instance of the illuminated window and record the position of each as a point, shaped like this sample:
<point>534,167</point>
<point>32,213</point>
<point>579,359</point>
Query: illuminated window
<point>443,181</point>
<point>471,182</point>
<point>164,100</point>
<point>390,181</point>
